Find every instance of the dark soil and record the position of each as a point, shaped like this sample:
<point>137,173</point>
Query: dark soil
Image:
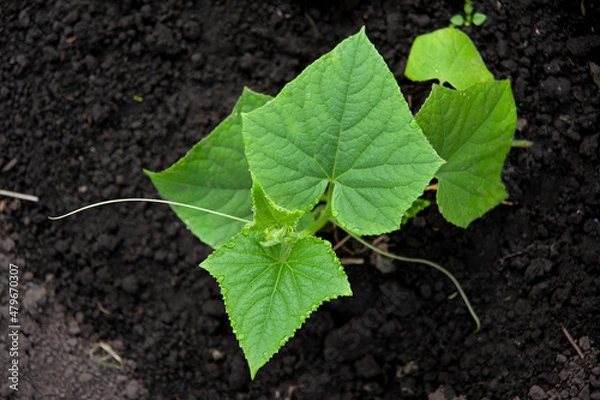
<point>72,133</point>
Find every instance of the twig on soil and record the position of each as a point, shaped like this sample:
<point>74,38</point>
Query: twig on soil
<point>570,339</point>
<point>9,165</point>
<point>312,24</point>
<point>20,196</point>
<point>340,243</point>
<point>106,360</point>
<point>291,390</point>
<point>516,253</point>
<point>352,261</point>
<point>378,240</point>
<point>102,308</point>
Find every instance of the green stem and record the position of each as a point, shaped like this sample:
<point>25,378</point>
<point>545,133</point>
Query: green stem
<point>521,143</point>
<point>318,224</point>
<point>431,264</point>
<point>324,217</point>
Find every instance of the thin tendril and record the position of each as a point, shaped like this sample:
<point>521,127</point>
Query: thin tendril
<point>160,201</point>
<point>431,264</point>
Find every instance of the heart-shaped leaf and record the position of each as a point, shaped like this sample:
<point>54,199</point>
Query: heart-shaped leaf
<point>447,55</point>
<point>342,124</point>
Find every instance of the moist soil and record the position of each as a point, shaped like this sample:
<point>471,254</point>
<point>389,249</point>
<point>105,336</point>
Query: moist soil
<point>93,92</point>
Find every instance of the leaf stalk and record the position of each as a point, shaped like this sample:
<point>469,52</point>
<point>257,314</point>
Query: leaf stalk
<point>521,143</point>
<point>324,217</point>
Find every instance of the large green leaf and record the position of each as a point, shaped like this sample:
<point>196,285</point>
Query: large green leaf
<point>447,55</point>
<point>472,129</point>
<point>213,175</point>
<point>270,291</point>
<point>343,124</point>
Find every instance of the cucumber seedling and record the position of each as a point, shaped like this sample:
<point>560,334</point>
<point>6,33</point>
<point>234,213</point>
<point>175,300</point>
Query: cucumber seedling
<point>471,17</point>
<point>338,145</point>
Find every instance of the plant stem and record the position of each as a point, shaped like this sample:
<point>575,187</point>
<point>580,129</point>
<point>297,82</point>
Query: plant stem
<point>143,200</point>
<point>318,224</point>
<point>325,215</point>
<point>431,264</point>
<point>521,143</point>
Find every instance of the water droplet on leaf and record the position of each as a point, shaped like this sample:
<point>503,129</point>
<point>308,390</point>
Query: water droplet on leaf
<point>283,341</point>
<point>304,317</point>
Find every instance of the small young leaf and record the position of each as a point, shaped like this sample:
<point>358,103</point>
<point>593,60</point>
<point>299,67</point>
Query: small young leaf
<point>342,124</point>
<point>479,19</point>
<point>273,221</point>
<point>457,20</point>
<point>468,7</point>
<point>214,175</point>
<point>270,291</point>
<point>447,55</point>
<point>472,129</point>
<point>267,213</point>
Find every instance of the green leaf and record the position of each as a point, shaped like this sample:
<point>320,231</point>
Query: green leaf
<point>270,291</point>
<point>457,20</point>
<point>343,124</point>
<point>447,55</point>
<point>479,19</point>
<point>273,221</point>
<point>268,214</point>
<point>468,7</point>
<point>472,130</point>
<point>214,175</point>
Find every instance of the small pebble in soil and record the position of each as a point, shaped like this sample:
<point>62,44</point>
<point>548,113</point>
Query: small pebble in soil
<point>559,88</point>
<point>191,30</point>
<point>34,298</point>
<point>85,377</point>
<point>537,393</point>
<point>132,389</point>
<point>73,328</point>
<point>444,392</point>
<point>367,367</point>
<point>7,245</point>
<point>130,284</point>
